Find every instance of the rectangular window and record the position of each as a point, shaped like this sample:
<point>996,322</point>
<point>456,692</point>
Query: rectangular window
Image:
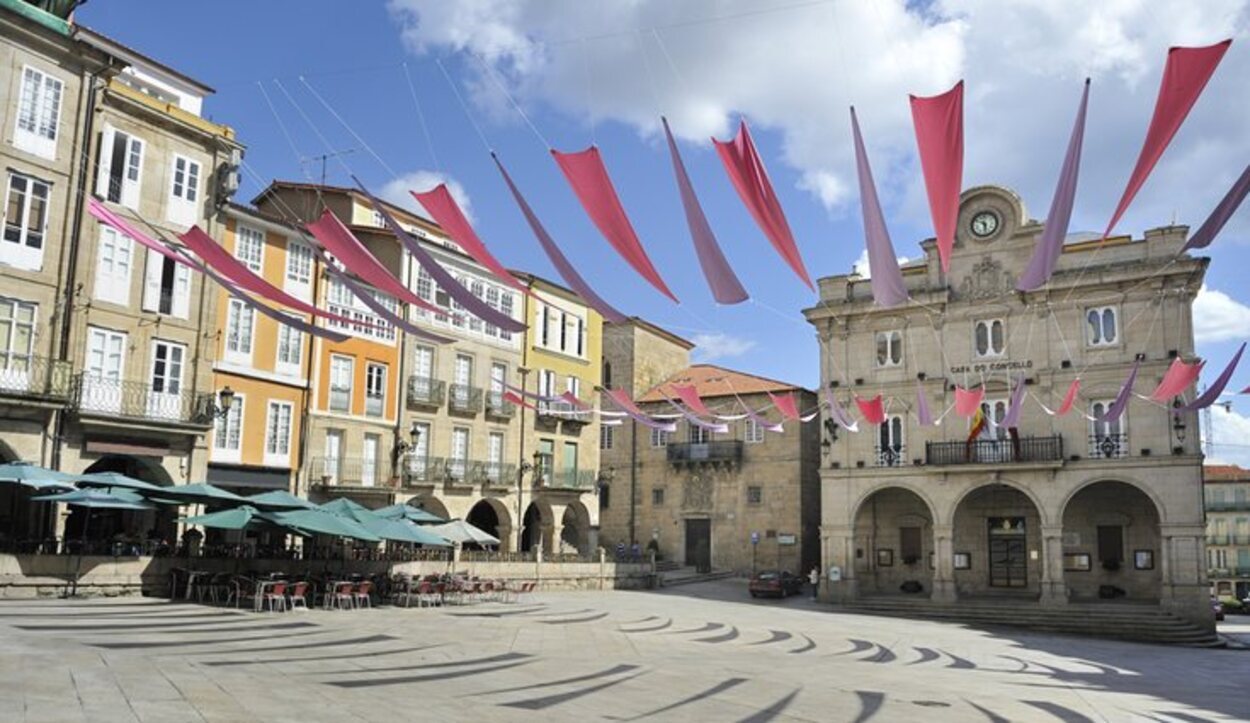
<point>755,495</point>
<point>278,433</point>
<point>418,458</point>
<point>112,273</point>
<point>890,442</point>
<point>299,266</point>
<point>332,463</point>
<point>375,389</point>
<point>166,286</point>
<point>1109,439</point>
<point>989,338</point>
<point>290,350</point>
<point>165,388</point>
<point>564,332</point>
<point>754,433</point>
<point>17,334</point>
<point>102,382</point>
<point>581,336</point>
<point>184,192</point>
<point>569,454</point>
<point>369,460</point>
<point>505,308</point>
<point>240,321</point>
<point>121,167</point>
<point>606,432</point>
<point>909,544</point>
<point>459,452</point>
<point>1101,327</point>
<point>425,285</point>
<point>249,247</point>
<point>697,434</point>
<point>38,113</point>
<point>546,461</point>
<point>889,348</point>
<point>492,300</point>
<point>544,326</point>
<point>341,301</point>
<point>657,497</point>
<point>342,369</point>
<point>494,457</point>
<point>228,432</point>
<point>659,437</point>
<point>1110,544</point>
<point>25,222</point>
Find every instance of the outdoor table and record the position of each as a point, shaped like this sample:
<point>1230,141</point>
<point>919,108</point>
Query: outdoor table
<point>192,575</point>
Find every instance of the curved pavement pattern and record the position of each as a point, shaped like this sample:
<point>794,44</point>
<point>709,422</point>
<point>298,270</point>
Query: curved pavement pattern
<point>704,653</point>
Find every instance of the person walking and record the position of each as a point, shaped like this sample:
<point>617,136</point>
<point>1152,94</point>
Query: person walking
<point>814,578</point>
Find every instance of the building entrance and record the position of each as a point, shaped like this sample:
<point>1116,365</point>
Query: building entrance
<point>699,544</point>
<point>1009,564</point>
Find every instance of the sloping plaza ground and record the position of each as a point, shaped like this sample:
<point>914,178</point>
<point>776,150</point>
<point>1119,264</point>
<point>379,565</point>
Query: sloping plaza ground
<point>700,652</point>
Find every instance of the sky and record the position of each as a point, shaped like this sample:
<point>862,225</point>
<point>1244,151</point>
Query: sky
<point>603,71</point>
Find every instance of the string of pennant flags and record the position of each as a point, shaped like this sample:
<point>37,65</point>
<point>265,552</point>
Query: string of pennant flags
<point>938,125</point>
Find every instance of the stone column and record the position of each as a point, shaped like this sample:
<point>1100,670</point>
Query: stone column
<point>943,564</point>
<point>1054,589</point>
<point>592,540</point>
<point>506,539</point>
<point>838,543</point>
<point>553,538</point>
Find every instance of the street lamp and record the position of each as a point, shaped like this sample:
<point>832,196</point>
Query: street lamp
<point>1178,427</point>
<point>225,400</point>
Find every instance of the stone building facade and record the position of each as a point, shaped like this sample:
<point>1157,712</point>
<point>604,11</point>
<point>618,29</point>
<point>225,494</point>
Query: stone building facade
<point>1227,499</point>
<point>1062,510</point>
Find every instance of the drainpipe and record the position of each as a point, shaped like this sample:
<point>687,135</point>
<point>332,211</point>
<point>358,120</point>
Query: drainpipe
<point>314,344</point>
<point>633,482</point>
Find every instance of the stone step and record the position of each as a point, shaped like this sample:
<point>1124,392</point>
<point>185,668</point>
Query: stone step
<point>687,576</point>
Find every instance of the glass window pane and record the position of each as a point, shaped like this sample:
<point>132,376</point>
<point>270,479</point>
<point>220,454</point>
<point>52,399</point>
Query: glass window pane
<point>1108,325</point>
<point>983,342</point>
<point>996,336</point>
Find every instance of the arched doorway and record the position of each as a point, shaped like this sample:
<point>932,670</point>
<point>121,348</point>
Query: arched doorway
<point>1114,527</point>
<point>997,541</point>
<point>432,505</point>
<point>137,526</point>
<point>575,529</point>
<point>491,516</point>
<point>537,527</point>
<point>22,522</point>
<point>894,543</point>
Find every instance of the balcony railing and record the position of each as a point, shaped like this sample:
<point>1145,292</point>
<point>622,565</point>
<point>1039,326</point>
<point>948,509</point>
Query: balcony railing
<point>1229,572</point>
<point>464,399</point>
<point>35,376</point>
<point>729,452</point>
<point>494,474</point>
<point>350,471</point>
<point>98,396</point>
<point>340,399</point>
<point>1228,505</point>
<point>433,470</point>
<point>1226,539</point>
<point>987,451</point>
<point>891,456</point>
<point>1217,539</point>
<point>374,405</point>
<point>424,392</point>
<point>570,479</point>
<point>565,411</point>
<point>1108,446</point>
<point>497,406</point>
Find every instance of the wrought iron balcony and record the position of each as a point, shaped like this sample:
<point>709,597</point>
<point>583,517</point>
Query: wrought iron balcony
<point>726,452</point>
<point>35,377</point>
<point>570,479</point>
<point>97,396</point>
<point>1228,505</point>
<point>565,411</point>
<point>891,456</point>
<point>417,469</point>
<point>464,399</point>
<point>1217,539</point>
<point>350,472</point>
<point>494,474</point>
<point>1227,539</point>
<point>425,393</point>
<point>996,451</point>
<point>498,407</point>
<point>1108,446</point>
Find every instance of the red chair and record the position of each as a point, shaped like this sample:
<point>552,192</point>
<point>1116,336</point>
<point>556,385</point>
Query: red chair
<point>297,599</point>
<point>274,596</point>
<point>363,594</point>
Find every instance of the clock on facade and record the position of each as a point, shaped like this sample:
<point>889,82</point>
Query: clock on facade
<point>984,224</point>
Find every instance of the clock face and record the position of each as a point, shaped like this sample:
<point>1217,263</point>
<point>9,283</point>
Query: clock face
<point>984,224</point>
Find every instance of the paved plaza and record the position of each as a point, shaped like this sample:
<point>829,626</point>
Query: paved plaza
<point>699,652</point>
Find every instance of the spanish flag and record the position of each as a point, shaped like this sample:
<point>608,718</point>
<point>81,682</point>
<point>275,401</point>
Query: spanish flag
<point>978,424</point>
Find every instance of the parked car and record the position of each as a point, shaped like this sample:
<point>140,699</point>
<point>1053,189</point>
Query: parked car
<point>1218,608</point>
<point>779,583</point>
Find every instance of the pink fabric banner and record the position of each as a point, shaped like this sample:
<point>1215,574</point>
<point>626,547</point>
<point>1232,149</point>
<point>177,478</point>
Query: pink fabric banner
<point>1185,74</point>
<point>457,291</point>
<point>838,414</point>
<point>516,399</point>
<point>717,427</point>
<point>532,395</point>
<point>1211,228</point>
<point>939,123</point>
<point>622,400</point>
<point>873,409</point>
<point>967,402</point>
<point>689,396</point>
<point>337,239</point>
<point>750,178</point>
<point>888,288</point>
<point>556,256</point>
<point>590,182</point>
<point>443,207</point>
<point>786,404</point>
<point>722,280</point>
<point>1069,399</point>
<point>105,215</point>
<point>1214,391</point>
<point>577,403</point>
<point>923,415</point>
<point>368,299</point>
<point>202,245</point>
<point>1116,410</point>
<point>1015,405</point>
<point>1050,244</point>
<point>1176,380</point>
<point>760,419</point>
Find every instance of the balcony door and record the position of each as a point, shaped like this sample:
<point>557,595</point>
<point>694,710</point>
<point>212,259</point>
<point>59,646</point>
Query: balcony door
<point>498,377</point>
<point>334,455</point>
<point>419,458</point>
<point>459,452</point>
<point>423,372</point>
<point>102,382</point>
<point>17,334</point>
<point>1009,563</point>
<point>462,376</point>
<point>165,393</point>
<point>570,464</point>
<point>369,461</point>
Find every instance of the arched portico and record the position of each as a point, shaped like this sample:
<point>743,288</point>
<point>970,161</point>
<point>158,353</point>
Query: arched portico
<point>996,534</point>
<point>1113,543</point>
<point>538,526</point>
<point>491,516</point>
<point>894,543</point>
<point>431,504</point>
<point>134,526</point>
<point>575,528</point>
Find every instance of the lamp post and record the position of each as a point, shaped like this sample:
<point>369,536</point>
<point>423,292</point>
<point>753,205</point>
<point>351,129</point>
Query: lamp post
<point>1178,427</point>
<point>522,465</point>
<point>225,400</point>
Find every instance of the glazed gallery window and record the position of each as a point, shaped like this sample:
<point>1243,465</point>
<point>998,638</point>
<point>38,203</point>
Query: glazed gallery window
<point>1101,328</point>
<point>121,167</point>
<point>38,113</point>
<point>889,348</point>
<point>989,338</point>
<point>25,222</point>
<point>249,247</point>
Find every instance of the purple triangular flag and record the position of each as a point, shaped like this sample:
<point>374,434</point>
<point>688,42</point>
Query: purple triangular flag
<point>1210,228</point>
<point>887,280</point>
<point>726,288</point>
<point>1012,418</point>
<point>1116,410</point>
<point>1214,391</point>
<point>1050,244</point>
<point>922,407</point>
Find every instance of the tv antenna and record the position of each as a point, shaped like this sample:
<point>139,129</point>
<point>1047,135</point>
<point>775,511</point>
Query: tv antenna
<point>325,157</point>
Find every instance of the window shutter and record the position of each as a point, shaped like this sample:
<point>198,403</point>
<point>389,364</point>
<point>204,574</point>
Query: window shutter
<point>106,161</point>
<point>182,292</point>
<point>130,186</point>
<point>152,281</point>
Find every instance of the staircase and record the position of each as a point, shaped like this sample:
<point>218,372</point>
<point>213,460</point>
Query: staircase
<point>671,574</point>
<point>1119,621</point>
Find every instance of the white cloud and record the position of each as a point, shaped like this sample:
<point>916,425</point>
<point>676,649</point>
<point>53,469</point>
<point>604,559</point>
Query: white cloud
<point>794,68</point>
<point>1229,432</point>
<point>717,345</point>
<point>397,191</point>
<point>861,264</point>
<point>1219,317</point>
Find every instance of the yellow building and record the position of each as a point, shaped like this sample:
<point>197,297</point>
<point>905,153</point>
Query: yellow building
<point>257,446</point>
<point>563,352</point>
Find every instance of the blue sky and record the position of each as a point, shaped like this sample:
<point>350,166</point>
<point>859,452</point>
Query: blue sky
<point>603,72</point>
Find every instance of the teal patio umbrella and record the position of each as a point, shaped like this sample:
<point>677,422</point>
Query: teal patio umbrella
<point>244,517</point>
<point>117,480</point>
<point>36,477</point>
<point>201,493</point>
<point>279,500</point>
<point>95,500</point>
<point>324,523</point>
<point>405,511</point>
<point>462,532</point>
<point>393,530</point>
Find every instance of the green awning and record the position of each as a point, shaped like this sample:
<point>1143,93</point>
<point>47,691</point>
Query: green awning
<point>324,523</point>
